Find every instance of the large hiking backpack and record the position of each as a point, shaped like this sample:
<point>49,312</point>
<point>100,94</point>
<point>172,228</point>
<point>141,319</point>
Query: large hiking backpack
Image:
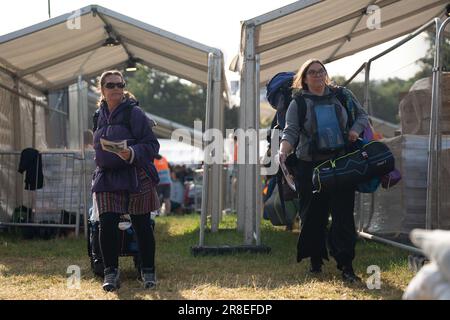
<point>279,95</point>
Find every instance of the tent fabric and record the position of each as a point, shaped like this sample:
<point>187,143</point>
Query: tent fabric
<point>53,53</point>
<point>331,29</point>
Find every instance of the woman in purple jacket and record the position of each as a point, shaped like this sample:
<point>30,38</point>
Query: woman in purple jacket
<point>124,183</point>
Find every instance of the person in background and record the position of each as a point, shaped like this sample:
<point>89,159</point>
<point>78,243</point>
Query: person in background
<point>163,188</point>
<point>177,192</point>
<point>124,182</point>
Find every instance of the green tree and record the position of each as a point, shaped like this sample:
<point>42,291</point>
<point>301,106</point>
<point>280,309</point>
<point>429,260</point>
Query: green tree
<point>168,96</point>
<point>385,94</point>
<point>427,62</point>
<point>172,98</point>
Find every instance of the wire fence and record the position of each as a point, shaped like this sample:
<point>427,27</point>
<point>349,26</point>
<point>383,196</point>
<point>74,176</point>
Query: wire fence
<point>58,202</point>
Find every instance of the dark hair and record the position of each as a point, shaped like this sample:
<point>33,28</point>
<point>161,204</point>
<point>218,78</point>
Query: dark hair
<point>158,157</point>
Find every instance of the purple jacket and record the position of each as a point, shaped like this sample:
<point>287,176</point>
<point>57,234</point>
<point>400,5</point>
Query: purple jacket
<point>112,172</point>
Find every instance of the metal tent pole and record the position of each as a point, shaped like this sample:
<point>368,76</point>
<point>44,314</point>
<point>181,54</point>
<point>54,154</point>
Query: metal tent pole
<point>205,190</point>
<point>438,72</point>
<point>433,147</point>
<point>257,166</point>
<point>248,106</point>
<point>216,123</point>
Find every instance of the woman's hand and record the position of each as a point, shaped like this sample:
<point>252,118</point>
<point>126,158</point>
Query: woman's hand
<point>353,136</point>
<point>282,157</point>
<point>125,154</point>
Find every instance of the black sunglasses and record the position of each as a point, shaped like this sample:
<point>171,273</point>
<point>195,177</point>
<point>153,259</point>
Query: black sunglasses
<point>112,85</point>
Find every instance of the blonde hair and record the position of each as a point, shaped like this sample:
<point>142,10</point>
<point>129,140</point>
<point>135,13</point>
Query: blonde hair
<point>299,79</point>
<point>101,82</point>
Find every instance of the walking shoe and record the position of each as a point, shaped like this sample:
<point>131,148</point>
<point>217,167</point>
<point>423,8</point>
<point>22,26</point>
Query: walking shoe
<point>316,265</point>
<point>111,280</point>
<point>148,277</point>
<point>348,275</point>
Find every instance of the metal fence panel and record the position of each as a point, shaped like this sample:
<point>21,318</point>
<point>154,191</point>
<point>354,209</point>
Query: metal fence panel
<point>60,199</point>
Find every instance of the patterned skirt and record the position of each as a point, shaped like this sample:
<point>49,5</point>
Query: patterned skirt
<point>124,202</point>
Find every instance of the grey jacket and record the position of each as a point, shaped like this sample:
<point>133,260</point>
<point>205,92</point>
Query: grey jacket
<point>292,133</point>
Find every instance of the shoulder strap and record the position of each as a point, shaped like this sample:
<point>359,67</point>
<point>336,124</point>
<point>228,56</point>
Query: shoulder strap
<point>301,112</point>
<point>274,125</point>
<point>340,95</point>
<point>346,100</point>
<point>127,117</point>
<point>95,120</point>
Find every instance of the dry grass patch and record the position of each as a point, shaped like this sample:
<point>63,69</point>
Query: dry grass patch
<point>38,269</point>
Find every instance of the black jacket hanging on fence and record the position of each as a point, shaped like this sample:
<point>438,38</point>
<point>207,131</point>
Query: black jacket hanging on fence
<point>31,162</point>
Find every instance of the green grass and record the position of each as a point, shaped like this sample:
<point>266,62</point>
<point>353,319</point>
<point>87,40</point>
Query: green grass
<point>36,269</point>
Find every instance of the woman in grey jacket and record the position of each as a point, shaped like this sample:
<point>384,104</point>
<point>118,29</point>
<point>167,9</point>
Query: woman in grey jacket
<point>317,140</point>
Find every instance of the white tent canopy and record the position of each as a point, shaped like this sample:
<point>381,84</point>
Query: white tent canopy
<point>330,30</point>
<point>53,53</point>
<point>82,44</point>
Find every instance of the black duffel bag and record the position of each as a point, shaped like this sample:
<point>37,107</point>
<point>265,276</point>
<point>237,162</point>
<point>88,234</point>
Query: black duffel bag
<point>373,159</point>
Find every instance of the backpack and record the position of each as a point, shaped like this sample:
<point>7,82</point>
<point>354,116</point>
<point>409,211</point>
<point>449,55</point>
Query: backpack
<point>279,95</point>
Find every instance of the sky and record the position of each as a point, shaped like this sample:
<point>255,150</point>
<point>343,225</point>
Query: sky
<point>215,23</point>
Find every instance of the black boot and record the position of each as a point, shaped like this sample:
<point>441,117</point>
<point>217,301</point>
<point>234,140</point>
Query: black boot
<point>316,265</point>
<point>348,275</point>
<point>111,281</point>
<point>148,277</point>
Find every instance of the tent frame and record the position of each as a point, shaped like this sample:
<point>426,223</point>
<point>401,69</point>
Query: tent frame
<point>249,203</point>
<point>432,202</point>
<point>249,195</point>
<point>215,84</point>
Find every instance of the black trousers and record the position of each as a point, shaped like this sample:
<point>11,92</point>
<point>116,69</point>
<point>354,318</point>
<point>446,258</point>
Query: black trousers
<point>315,210</point>
<point>109,239</point>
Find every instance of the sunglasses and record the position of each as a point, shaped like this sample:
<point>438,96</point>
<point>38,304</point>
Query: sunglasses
<point>112,85</point>
<point>313,73</point>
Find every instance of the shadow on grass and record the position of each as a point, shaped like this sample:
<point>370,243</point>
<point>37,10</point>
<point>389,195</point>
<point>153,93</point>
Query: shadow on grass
<point>181,275</point>
<point>273,271</point>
